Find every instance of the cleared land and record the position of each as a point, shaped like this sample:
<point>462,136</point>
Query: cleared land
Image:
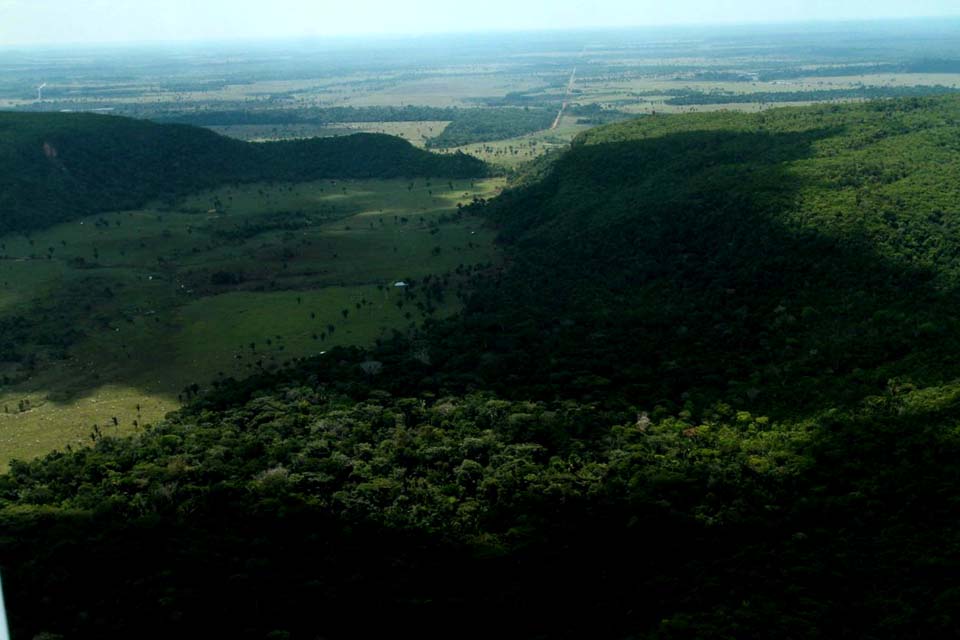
<point>514,152</point>
<point>126,311</point>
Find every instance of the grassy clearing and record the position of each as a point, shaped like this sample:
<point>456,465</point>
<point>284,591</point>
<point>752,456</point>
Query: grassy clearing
<point>251,331</point>
<point>515,151</point>
<point>49,424</point>
<point>162,299</point>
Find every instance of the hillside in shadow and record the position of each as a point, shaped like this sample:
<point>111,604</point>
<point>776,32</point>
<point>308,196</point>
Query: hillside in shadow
<point>708,265</point>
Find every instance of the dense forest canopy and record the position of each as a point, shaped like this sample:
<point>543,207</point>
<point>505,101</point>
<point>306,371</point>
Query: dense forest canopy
<point>713,394</point>
<point>758,257</point>
<point>57,167</point>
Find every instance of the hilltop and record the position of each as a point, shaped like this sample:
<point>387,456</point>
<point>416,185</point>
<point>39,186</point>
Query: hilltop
<point>56,167</point>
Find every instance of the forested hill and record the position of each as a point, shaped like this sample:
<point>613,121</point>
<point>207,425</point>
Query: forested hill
<point>714,394</point>
<point>799,257</point>
<point>54,167</point>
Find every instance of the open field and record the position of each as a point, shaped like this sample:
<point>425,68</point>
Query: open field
<point>462,89</point>
<point>126,311</point>
<point>515,151</point>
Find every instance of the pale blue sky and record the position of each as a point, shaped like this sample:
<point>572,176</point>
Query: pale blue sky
<point>70,21</point>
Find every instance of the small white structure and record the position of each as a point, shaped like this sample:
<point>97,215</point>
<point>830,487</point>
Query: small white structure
<point>401,285</point>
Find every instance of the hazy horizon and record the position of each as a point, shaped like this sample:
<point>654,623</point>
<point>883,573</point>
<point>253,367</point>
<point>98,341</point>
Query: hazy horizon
<point>106,22</point>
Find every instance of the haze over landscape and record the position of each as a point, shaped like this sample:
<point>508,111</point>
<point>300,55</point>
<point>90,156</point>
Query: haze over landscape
<point>516,320</point>
<point>57,22</point>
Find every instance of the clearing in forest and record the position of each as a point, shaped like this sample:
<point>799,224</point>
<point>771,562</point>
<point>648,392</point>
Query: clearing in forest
<point>127,314</point>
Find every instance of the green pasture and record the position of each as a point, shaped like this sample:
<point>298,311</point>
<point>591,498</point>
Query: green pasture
<point>122,313</point>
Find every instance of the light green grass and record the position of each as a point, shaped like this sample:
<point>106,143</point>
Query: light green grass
<point>216,333</point>
<point>153,321</point>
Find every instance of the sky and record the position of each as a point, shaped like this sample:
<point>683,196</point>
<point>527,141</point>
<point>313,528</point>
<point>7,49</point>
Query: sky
<point>51,22</point>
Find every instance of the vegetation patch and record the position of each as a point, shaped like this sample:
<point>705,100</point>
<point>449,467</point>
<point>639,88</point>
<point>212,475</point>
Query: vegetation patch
<point>57,167</point>
<point>116,319</point>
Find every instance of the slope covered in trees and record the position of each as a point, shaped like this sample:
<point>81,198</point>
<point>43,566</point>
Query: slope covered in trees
<point>779,260</point>
<point>713,395</point>
<point>56,167</point>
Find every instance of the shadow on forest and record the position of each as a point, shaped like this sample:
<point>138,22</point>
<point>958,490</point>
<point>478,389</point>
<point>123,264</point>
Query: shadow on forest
<point>675,269</point>
<point>680,268</point>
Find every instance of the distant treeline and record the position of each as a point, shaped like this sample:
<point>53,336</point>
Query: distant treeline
<point>864,93</point>
<point>532,98</point>
<point>724,76</point>
<point>467,125</point>
<point>826,71</point>
<point>311,115</point>
<point>916,66</point>
<point>57,167</point>
<point>486,125</point>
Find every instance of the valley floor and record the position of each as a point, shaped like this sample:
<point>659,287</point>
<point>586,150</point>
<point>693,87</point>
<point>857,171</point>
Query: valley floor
<point>126,315</point>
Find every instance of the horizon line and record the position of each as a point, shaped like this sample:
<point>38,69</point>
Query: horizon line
<point>381,36</point>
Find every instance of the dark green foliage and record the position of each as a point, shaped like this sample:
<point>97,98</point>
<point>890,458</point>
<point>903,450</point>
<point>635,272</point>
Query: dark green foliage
<point>56,167</point>
<point>531,99</point>
<point>790,258</point>
<point>713,395</point>
<point>225,278</point>
<point>487,125</point>
<point>309,507</point>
